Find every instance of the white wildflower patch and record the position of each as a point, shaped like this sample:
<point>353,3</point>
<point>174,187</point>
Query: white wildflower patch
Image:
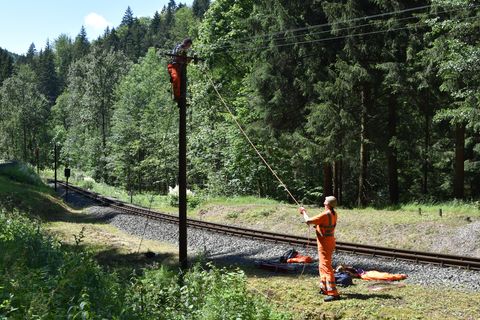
<point>192,200</point>
<point>88,182</point>
<point>175,191</point>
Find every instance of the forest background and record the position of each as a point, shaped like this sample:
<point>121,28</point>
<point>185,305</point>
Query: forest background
<point>373,101</point>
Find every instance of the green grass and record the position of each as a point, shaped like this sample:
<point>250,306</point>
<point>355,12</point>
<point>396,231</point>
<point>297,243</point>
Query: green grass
<point>300,295</point>
<point>21,189</point>
<point>21,173</point>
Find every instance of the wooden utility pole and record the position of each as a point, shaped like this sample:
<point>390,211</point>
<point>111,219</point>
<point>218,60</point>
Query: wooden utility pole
<point>55,156</point>
<point>182,161</point>
<point>182,169</point>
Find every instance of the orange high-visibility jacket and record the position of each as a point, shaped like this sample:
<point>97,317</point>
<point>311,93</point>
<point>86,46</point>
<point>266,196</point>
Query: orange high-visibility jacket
<point>325,227</point>
<point>173,70</point>
<point>325,223</point>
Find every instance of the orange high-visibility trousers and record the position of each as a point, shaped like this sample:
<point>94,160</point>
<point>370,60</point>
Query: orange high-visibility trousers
<point>173,70</point>
<point>326,246</point>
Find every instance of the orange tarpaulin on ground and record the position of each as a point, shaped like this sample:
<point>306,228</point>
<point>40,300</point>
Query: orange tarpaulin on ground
<point>377,275</point>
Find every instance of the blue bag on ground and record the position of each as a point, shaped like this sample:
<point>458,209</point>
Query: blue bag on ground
<point>343,279</point>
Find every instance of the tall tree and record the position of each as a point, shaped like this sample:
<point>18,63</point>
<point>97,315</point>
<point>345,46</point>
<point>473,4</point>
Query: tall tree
<point>24,112</point>
<point>455,47</point>
<point>47,74</point>
<point>199,7</point>
<point>81,45</point>
<point>155,31</point>
<point>63,48</point>
<point>143,127</point>
<point>6,65</point>
<point>91,87</point>
<point>128,18</point>
<point>31,53</point>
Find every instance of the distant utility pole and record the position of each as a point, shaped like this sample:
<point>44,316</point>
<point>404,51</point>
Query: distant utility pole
<point>55,157</point>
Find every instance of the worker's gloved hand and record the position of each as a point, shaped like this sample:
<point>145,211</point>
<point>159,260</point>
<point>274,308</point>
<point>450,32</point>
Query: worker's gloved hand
<point>304,213</point>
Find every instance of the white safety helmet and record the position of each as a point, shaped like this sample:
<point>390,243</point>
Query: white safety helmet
<point>332,201</point>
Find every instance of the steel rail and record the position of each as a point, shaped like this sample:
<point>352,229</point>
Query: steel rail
<point>471,263</point>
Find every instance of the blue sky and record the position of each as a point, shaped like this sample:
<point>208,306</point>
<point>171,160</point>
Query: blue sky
<point>23,22</point>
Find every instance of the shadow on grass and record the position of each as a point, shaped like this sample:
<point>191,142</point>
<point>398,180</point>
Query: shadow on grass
<point>362,296</point>
<point>115,258</point>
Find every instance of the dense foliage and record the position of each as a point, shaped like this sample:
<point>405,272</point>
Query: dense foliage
<point>373,101</point>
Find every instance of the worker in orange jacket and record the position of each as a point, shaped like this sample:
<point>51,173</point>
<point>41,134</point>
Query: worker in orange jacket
<point>175,66</point>
<point>325,227</point>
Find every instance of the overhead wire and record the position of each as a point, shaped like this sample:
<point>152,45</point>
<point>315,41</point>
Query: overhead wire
<point>337,37</point>
<point>331,23</point>
<point>214,47</point>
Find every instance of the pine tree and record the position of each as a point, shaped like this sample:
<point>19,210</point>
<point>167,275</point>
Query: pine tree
<point>31,53</point>
<point>156,31</point>
<point>170,14</point>
<point>111,41</point>
<point>63,48</point>
<point>47,75</point>
<point>454,50</point>
<point>199,7</point>
<point>81,46</point>
<point>128,18</point>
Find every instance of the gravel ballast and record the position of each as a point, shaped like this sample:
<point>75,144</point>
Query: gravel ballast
<point>240,251</point>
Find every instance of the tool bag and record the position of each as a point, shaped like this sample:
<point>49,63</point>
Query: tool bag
<point>343,279</point>
<point>292,253</point>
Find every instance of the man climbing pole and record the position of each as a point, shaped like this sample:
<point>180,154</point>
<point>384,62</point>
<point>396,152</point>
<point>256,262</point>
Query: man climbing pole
<point>325,224</point>
<point>179,59</point>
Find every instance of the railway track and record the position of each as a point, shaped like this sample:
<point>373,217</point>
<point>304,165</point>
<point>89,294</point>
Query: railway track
<point>471,263</point>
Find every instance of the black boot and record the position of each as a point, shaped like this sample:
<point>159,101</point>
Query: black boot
<point>331,298</point>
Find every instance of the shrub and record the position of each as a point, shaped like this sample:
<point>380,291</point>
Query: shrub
<point>87,183</point>
<point>39,277</point>
<point>203,294</point>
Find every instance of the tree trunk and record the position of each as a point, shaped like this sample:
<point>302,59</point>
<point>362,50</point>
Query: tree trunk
<point>104,134</point>
<point>327,180</point>
<point>425,157</point>
<point>362,198</point>
<point>337,180</point>
<point>391,151</point>
<point>25,143</point>
<point>459,178</point>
